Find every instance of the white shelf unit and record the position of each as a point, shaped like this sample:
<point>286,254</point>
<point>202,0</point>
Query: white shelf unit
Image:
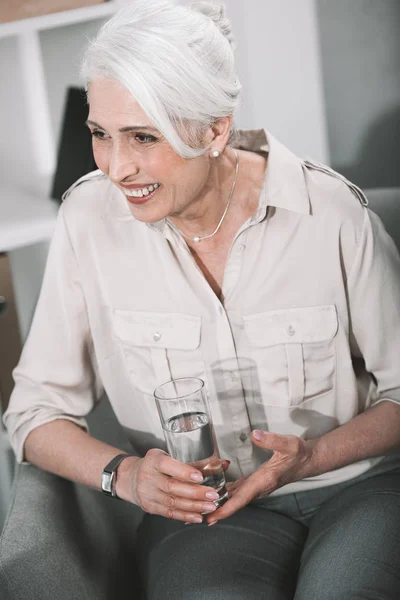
<point>25,219</point>
<point>32,95</point>
<point>22,65</point>
<point>59,19</point>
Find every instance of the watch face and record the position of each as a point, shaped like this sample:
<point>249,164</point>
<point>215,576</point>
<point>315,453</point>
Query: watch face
<point>106,482</point>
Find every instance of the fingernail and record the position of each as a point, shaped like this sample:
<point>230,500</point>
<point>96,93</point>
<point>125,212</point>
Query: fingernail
<point>258,435</point>
<point>212,496</point>
<point>209,508</point>
<point>212,523</point>
<point>196,477</point>
<point>196,520</point>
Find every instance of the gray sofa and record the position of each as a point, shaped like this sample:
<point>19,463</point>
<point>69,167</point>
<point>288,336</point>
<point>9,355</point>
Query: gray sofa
<point>62,541</point>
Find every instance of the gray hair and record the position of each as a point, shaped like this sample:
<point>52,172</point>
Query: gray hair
<point>177,62</point>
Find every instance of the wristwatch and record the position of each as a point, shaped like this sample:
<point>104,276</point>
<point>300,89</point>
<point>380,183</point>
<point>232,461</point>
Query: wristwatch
<point>109,475</point>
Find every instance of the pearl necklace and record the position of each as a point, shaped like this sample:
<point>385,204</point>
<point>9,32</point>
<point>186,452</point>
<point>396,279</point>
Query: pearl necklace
<point>196,239</point>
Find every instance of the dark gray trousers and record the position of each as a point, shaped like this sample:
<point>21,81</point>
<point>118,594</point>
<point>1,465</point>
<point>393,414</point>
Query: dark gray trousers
<point>340,542</point>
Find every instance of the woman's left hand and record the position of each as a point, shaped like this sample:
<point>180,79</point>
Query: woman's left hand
<point>291,461</point>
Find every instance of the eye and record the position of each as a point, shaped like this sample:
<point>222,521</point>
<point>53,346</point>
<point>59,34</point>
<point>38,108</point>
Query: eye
<point>98,134</point>
<point>145,138</point>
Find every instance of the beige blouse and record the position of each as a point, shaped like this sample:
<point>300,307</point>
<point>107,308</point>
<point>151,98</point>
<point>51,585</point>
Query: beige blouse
<point>307,335</point>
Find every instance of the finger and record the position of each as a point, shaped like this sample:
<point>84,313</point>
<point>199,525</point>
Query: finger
<point>193,491</point>
<point>153,501</point>
<point>240,497</point>
<point>176,514</point>
<point>232,490</point>
<point>233,485</point>
<point>183,504</point>
<point>274,441</point>
<point>169,466</point>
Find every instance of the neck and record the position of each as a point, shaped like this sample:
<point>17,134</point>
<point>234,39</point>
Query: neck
<point>204,214</point>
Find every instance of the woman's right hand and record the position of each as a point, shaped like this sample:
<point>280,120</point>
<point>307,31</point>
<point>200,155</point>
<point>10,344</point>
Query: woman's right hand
<point>161,485</point>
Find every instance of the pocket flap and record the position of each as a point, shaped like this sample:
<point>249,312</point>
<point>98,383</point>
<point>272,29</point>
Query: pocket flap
<point>312,324</point>
<point>158,330</point>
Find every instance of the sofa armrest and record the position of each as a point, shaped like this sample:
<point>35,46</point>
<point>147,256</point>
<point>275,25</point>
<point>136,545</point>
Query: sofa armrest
<point>63,540</point>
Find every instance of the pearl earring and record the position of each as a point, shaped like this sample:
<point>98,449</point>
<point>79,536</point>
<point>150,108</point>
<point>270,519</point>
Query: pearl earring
<point>216,153</point>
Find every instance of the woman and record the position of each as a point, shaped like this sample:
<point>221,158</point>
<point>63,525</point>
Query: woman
<point>198,251</point>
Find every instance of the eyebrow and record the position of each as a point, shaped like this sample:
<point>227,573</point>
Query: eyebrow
<point>126,129</point>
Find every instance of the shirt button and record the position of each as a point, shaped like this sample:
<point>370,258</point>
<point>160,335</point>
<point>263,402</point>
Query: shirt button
<point>157,336</point>
<point>243,437</point>
<point>291,331</point>
<point>241,247</point>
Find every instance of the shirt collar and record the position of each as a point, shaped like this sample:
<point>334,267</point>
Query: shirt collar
<point>284,182</point>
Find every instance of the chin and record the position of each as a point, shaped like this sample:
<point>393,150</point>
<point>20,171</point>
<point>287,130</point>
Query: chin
<point>146,215</point>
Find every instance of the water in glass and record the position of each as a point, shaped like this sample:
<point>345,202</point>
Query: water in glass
<point>190,439</point>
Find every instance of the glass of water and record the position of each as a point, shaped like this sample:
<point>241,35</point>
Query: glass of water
<point>186,420</point>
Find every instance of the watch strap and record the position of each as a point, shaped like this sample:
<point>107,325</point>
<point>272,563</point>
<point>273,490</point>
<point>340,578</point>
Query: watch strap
<point>109,475</point>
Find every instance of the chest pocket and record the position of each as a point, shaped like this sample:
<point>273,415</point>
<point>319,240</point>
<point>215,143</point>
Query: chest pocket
<point>158,347</point>
<point>294,353</point>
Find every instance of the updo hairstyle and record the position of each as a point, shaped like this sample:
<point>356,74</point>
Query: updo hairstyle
<point>177,62</point>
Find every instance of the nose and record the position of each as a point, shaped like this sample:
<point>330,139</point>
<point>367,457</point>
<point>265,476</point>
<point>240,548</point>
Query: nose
<point>123,161</point>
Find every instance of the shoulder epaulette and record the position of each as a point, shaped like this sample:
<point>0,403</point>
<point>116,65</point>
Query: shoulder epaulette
<point>312,164</point>
<point>88,177</point>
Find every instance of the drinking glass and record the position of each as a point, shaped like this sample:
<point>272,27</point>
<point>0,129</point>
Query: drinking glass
<point>188,430</point>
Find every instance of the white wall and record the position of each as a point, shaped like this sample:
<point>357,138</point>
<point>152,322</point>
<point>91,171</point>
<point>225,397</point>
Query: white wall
<point>279,65</point>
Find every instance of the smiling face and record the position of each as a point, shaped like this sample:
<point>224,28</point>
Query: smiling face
<point>156,181</point>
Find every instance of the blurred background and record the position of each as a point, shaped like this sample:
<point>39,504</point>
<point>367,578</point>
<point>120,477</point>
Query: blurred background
<point>323,77</point>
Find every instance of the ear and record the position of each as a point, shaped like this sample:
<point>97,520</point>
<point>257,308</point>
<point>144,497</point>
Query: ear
<point>219,132</point>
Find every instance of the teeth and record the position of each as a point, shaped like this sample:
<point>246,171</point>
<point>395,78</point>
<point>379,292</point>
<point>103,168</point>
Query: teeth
<point>142,192</point>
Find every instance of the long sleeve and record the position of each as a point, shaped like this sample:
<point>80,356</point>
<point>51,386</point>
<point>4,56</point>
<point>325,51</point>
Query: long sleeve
<point>56,377</point>
<point>374,302</point>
